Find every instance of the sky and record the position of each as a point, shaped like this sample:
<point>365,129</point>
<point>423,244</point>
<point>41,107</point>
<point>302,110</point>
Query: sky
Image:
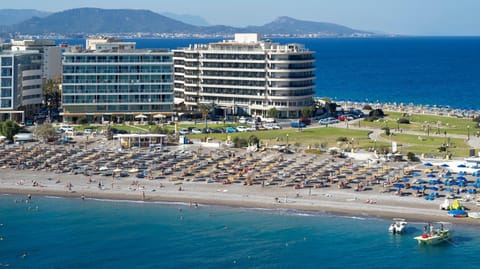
<point>408,17</point>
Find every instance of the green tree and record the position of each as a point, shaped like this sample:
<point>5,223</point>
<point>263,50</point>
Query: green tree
<point>44,131</point>
<point>253,140</point>
<point>272,113</point>
<point>9,129</point>
<point>307,112</point>
<point>52,94</point>
<point>205,109</point>
<point>377,113</point>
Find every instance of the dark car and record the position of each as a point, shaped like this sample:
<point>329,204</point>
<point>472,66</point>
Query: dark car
<point>305,120</point>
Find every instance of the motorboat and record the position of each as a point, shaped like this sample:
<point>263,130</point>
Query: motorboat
<point>398,226</point>
<point>435,233</point>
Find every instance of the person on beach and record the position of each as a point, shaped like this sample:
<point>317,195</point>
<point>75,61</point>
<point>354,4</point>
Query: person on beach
<point>143,196</point>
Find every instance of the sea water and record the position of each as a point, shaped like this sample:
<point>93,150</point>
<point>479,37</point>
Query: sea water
<point>52,232</point>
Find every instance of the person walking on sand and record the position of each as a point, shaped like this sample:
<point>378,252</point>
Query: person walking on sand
<point>143,196</point>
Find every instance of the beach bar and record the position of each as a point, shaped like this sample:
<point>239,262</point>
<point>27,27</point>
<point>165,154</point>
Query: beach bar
<point>140,140</point>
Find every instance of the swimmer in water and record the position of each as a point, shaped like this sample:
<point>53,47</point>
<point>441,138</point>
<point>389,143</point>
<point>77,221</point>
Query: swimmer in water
<point>24,255</point>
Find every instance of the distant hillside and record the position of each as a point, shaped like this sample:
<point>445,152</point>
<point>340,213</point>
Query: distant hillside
<point>87,21</point>
<point>94,20</point>
<point>13,16</point>
<point>289,26</point>
<point>187,18</point>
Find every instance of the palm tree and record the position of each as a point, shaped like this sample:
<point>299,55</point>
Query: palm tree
<point>205,109</point>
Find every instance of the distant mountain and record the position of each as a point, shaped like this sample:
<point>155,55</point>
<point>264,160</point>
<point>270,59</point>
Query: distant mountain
<point>187,18</point>
<point>290,26</point>
<point>13,16</point>
<point>95,20</point>
<point>88,21</point>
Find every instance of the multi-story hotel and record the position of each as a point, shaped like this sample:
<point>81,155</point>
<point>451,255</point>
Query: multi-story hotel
<point>51,55</point>
<point>245,76</point>
<point>114,81</point>
<point>20,84</point>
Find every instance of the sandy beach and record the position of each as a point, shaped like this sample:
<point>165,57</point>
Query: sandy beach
<point>254,180</point>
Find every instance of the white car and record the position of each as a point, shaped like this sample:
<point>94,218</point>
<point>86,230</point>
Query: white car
<point>183,131</point>
<point>196,131</point>
<point>269,120</point>
<point>241,128</point>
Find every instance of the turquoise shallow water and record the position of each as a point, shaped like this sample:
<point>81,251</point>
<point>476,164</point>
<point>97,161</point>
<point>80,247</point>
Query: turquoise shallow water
<point>71,233</point>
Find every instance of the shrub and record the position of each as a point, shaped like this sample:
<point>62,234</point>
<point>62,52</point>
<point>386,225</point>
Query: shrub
<point>411,156</point>
<point>82,121</point>
<point>403,121</point>
<point>376,113</point>
<point>342,139</point>
<point>367,107</point>
<point>387,130</point>
<point>240,142</point>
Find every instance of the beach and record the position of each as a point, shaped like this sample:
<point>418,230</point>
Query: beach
<point>239,178</point>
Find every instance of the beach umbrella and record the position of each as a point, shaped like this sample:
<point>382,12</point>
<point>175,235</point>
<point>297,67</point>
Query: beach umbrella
<point>461,178</point>
<point>433,188</point>
<point>417,188</point>
<point>461,166</point>
<point>404,179</point>
<point>416,174</point>
<point>141,116</point>
<point>428,164</point>
<point>445,165</point>
<point>159,116</point>
<point>398,185</point>
<point>431,175</point>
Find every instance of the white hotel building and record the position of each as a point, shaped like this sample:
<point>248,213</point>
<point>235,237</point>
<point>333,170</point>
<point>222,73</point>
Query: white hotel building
<point>114,81</point>
<point>245,76</point>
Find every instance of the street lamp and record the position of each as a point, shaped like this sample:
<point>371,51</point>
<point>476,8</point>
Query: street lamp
<point>287,140</point>
<point>398,124</point>
<point>468,132</point>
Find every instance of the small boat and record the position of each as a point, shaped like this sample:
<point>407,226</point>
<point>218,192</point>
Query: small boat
<point>458,213</point>
<point>434,234</point>
<point>474,215</point>
<point>398,226</point>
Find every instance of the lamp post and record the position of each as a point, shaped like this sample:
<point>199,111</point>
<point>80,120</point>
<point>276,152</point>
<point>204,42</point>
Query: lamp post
<point>375,145</point>
<point>287,140</point>
<point>468,132</point>
<point>398,124</point>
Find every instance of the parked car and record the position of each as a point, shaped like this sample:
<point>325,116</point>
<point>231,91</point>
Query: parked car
<point>297,124</point>
<point>230,130</point>
<point>196,131</point>
<point>269,120</point>
<point>242,128</point>
<point>305,120</point>
<point>328,121</point>
<point>184,131</point>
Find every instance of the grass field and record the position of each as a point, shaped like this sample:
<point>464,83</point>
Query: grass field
<point>326,137</point>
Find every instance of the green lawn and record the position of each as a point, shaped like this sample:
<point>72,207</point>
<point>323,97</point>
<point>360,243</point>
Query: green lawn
<point>429,144</point>
<point>426,124</point>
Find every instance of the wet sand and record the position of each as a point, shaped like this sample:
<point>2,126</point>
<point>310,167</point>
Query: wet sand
<point>372,203</point>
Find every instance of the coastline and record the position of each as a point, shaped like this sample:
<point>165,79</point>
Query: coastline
<point>325,200</point>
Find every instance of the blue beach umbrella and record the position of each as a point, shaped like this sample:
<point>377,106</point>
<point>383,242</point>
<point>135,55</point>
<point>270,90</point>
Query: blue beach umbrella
<point>461,166</point>
<point>404,179</point>
<point>445,165</point>
<point>430,175</point>
<point>428,164</point>
<point>417,188</point>
<point>433,188</point>
<point>416,174</point>
<point>398,185</point>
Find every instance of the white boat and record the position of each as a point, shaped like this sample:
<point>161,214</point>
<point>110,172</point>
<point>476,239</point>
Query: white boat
<point>474,215</point>
<point>398,226</point>
<point>434,234</point>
